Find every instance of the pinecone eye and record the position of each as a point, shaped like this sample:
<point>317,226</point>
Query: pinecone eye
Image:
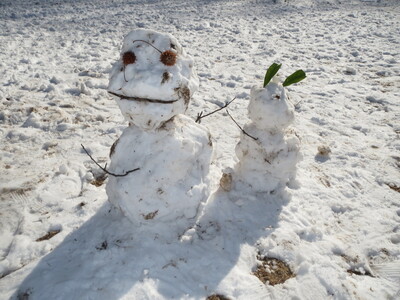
<point>128,58</point>
<point>168,58</point>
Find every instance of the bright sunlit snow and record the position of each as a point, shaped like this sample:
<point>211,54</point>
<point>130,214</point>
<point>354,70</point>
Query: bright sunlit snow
<point>336,226</point>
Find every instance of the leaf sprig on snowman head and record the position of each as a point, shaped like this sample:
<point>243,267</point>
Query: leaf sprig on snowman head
<point>296,77</point>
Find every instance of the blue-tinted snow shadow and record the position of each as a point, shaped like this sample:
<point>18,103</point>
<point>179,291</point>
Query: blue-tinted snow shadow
<point>321,158</point>
<point>106,258</point>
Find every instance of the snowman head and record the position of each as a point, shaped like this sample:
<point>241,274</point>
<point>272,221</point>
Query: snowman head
<point>153,80</point>
<point>269,107</point>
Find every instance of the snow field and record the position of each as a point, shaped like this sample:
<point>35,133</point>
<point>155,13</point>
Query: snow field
<point>342,223</point>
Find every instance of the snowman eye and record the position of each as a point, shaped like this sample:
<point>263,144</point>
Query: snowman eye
<point>128,58</point>
<point>168,57</point>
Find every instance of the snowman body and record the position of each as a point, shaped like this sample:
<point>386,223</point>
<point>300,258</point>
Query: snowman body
<point>173,152</point>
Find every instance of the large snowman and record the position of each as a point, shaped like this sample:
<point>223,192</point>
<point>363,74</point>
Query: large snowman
<point>153,82</point>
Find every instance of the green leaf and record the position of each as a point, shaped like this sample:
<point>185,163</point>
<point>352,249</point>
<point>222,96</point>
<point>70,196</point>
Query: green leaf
<point>272,70</point>
<point>297,76</point>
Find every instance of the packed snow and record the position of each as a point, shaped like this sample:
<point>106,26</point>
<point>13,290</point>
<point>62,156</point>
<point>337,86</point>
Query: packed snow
<point>336,227</point>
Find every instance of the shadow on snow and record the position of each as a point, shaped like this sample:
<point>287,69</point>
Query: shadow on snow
<point>106,258</point>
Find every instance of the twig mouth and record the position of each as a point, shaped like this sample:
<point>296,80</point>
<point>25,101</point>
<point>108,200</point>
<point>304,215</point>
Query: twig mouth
<point>123,97</point>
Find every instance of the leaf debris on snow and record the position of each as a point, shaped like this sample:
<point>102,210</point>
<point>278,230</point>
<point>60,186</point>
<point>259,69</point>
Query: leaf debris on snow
<point>273,271</point>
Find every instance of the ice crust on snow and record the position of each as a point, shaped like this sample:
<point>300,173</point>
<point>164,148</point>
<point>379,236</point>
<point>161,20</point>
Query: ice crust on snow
<point>148,78</point>
<point>267,163</point>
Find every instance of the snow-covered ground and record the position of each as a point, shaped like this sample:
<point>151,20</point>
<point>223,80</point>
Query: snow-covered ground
<point>339,232</point>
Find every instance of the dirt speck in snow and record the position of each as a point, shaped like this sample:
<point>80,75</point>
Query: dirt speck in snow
<point>165,77</point>
<point>183,92</point>
<point>99,180</point>
<point>226,182</point>
<point>393,187</point>
<point>273,271</point>
<point>24,295</point>
<point>217,297</point>
<point>324,151</point>
<point>324,180</point>
<point>151,215</point>
<point>360,272</point>
<point>112,149</point>
<point>350,259</point>
<point>103,246</point>
<point>48,235</point>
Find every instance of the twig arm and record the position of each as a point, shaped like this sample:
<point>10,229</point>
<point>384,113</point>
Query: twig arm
<point>244,132</point>
<point>201,116</point>
<point>104,168</point>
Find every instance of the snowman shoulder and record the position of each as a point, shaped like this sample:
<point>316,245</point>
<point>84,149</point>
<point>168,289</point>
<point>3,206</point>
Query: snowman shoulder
<point>192,130</point>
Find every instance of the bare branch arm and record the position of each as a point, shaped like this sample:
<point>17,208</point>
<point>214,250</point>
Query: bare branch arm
<point>104,169</point>
<point>254,138</point>
<point>201,116</point>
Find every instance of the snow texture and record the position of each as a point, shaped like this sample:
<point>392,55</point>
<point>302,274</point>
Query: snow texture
<point>338,232</point>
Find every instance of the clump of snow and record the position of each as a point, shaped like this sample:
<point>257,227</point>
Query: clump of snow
<point>268,152</point>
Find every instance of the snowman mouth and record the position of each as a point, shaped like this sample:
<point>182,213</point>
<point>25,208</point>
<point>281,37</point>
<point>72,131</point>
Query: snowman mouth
<point>123,97</point>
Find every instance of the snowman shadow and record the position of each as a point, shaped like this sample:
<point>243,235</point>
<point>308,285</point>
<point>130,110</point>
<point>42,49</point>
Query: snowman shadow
<point>106,258</point>
<point>231,222</point>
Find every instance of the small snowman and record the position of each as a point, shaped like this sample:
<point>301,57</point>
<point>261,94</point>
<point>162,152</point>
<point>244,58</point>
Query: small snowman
<point>268,150</point>
<point>153,82</point>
